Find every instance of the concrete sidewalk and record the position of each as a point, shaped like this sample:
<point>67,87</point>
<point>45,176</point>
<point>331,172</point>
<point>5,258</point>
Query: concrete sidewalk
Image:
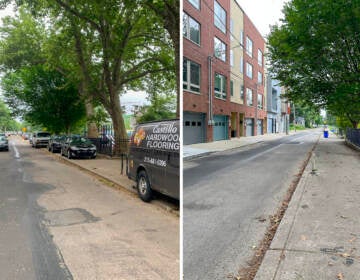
<point>109,170</point>
<point>202,149</point>
<point>319,236</point>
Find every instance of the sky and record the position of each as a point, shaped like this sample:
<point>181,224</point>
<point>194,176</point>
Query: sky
<point>263,13</point>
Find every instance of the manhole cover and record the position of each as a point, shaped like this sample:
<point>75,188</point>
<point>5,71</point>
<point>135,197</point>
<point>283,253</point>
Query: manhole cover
<point>68,217</point>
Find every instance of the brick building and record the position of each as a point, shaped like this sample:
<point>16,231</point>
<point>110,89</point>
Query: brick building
<point>206,70</point>
<point>254,109</point>
<point>219,101</point>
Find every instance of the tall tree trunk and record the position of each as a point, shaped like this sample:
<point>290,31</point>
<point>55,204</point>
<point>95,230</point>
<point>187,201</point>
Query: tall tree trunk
<point>120,135</point>
<point>92,129</point>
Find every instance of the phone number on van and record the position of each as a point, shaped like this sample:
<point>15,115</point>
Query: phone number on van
<point>158,162</point>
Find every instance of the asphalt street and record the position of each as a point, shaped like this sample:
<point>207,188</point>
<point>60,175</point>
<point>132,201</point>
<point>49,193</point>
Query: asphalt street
<point>27,250</point>
<point>228,198</point>
<point>57,222</point>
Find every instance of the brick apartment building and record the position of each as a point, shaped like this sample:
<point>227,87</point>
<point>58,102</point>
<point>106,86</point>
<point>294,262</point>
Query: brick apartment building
<point>212,105</point>
<point>254,80</point>
<point>206,70</point>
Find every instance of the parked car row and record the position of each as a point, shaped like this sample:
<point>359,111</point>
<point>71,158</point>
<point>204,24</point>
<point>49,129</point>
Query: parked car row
<point>71,146</point>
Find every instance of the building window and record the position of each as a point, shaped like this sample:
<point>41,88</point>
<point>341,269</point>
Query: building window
<point>219,17</point>
<point>242,38</point>
<point>260,78</point>
<point>249,70</point>
<point>242,93</point>
<point>232,87</point>
<point>260,58</point>
<point>220,86</point>
<point>231,58</point>
<point>195,3</point>
<point>191,29</point>
<point>260,101</point>
<point>191,76</point>
<point>249,46</point>
<point>219,49</point>
<point>241,65</point>
<point>249,97</point>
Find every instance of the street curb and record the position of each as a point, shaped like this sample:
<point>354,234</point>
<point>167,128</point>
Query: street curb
<point>215,152</point>
<point>113,184</point>
<point>269,266</point>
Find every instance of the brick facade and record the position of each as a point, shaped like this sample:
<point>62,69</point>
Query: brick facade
<point>251,32</point>
<point>193,102</point>
<point>205,101</point>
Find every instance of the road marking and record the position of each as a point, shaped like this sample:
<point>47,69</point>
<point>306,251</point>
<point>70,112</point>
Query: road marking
<point>17,154</point>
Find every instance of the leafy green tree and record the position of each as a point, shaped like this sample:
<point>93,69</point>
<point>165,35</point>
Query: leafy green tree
<point>108,46</point>
<point>315,53</point>
<point>6,121</point>
<point>168,13</point>
<point>47,98</point>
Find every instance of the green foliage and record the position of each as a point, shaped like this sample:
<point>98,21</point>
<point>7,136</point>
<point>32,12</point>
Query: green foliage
<point>47,98</point>
<point>7,123</point>
<point>161,108</point>
<point>100,116</point>
<point>315,54</point>
<point>310,113</point>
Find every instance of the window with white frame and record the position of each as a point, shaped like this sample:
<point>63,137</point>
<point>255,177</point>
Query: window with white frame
<point>260,101</point>
<point>219,49</point>
<point>242,93</point>
<point>231,58</point>
<point>241,65</point>
<point>219,17</point>
<point>191,76</point>
<point>191,29</point>
<point>260,78</point>
<point>260,57</point>
<point>195,3</point>
<point>249,97</point>
<point>249,70</point>
<point>242,38</point>
<point>249,46</point>
<point>220,86</point>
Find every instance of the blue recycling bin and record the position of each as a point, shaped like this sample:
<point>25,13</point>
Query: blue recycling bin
<point>326,134</point>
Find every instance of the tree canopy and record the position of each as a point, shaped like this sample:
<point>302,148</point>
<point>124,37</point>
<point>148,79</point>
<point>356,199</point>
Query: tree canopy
<point>7,123</point>
<point>315,54</point>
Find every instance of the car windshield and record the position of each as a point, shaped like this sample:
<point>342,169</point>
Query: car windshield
<point>43,134</point>
<point>80,141</point>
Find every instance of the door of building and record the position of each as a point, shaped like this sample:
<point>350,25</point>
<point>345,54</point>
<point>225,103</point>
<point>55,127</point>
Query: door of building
<point>194,128</point>
<point>249,127</point>
<point>220,129</point>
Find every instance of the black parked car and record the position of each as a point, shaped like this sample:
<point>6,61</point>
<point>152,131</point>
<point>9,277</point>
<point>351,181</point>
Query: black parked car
<point>55,142</point>
<point>78,147</point>
<point>4,144</point>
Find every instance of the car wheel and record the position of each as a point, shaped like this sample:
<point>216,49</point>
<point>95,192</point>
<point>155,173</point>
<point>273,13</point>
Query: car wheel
<point>52,149</point>
<point>143,186</point>
<point>68,154</point>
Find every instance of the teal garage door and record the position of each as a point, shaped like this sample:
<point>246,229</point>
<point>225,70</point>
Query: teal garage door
<point>220,129</point>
